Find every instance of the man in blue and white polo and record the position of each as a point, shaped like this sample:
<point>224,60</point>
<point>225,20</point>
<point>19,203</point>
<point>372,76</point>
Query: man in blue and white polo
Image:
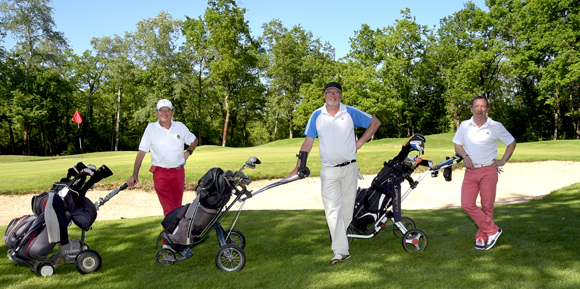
<point>334,125</point>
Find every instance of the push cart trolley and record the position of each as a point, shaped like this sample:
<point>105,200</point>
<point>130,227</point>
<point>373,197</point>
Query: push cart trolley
<point>230,256</point>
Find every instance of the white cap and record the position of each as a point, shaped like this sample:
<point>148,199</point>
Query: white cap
<point>164,103</point>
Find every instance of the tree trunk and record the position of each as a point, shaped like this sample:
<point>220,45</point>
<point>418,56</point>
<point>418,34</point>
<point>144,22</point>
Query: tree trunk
<point>200,119</point>
<point>26,139</point>
<point>112,141</point>
<point>398,116</point>
<point>555,126</point>
<point>11,136</point>
<point>578,116</point>
<point>556,114</point>
<point>118,118</point>
<point>46,142</point>
<point>43,140</point>
<point>577,126</point>
<point>291,126</point>
<point>276,128</point>
<point>224,135</point>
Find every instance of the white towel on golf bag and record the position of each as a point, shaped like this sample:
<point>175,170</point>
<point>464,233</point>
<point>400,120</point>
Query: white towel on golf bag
<point>51,221</point>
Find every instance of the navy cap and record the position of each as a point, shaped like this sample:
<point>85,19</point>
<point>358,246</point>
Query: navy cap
<point>333,85</point>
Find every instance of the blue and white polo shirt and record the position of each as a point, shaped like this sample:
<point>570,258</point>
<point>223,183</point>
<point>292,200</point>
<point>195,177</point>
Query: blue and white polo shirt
<point>337,142</point>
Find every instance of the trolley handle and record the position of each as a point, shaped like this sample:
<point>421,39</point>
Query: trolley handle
<point>455,159</point>
<point>114,192</point>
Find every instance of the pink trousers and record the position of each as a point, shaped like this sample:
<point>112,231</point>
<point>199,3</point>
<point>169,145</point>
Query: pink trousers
<point>482,182</point>
<point>169,186</point>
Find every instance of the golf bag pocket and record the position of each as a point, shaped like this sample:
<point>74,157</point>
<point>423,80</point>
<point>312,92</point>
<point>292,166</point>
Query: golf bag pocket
<point>85,215</point>
<point>201,219</point>
<point>36,247</point>
<point>38,203</point>
<point>185,224</point>
<point>27,240</point>
<point>171,221</point>
<point>16,230</point>
<point>369,204</point>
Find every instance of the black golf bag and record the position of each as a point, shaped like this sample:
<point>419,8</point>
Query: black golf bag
<point>385,190</point>
<point>31,238</point>
<point>184,225</point>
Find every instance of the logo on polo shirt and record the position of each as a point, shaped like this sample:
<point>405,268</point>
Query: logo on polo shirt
<point>179,137</point>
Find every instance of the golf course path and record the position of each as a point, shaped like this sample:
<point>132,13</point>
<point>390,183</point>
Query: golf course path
<point>520,182</point>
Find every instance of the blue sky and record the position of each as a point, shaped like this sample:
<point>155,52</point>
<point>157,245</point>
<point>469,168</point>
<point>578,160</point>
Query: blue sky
<point>332,21</point>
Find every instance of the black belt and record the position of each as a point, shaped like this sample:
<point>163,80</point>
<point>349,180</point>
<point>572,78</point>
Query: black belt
<point>346,163</point>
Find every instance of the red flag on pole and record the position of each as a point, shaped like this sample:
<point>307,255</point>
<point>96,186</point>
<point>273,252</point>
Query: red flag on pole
<point>77,117</point>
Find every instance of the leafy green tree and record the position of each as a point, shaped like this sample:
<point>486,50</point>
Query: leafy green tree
<point>400,50</point>
<point>38,51</point>
<point>542,39</point>
<point>197,86</point>
<point>552,27</point>
<point>361,80</point>
<point>469,57</point>
<point>235,55</point>
<point>293,58</point>
<point>156,43</point>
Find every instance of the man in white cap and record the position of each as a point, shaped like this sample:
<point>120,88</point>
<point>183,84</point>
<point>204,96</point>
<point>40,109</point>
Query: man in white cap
<point>165,139</point>
<point>334,125</point>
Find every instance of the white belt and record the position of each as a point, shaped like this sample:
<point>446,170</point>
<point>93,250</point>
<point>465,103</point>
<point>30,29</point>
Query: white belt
<point>477,166</point>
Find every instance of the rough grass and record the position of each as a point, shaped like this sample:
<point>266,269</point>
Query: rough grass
<point>291,249</point>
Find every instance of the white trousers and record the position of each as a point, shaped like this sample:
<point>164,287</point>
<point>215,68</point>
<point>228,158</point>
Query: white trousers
<point>338,196</point>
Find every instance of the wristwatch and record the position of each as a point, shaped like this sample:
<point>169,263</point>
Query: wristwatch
<point>466,155</point>
<point>189,151</point>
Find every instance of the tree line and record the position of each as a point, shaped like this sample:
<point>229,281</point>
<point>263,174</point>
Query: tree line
<point>232,88</point>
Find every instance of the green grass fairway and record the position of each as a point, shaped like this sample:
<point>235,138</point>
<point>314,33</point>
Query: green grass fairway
<point>22,174</point>
<point>291,249</point>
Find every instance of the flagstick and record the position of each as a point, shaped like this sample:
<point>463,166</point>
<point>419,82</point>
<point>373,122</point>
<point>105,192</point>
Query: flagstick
<point>80,143</point>
<point>78,119</point>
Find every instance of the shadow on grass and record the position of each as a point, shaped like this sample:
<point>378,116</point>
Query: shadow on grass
<point>292,249</point>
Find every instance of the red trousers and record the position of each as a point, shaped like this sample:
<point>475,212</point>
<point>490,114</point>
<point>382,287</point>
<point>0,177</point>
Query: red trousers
<point>169,186</point>
<point>482,182</point>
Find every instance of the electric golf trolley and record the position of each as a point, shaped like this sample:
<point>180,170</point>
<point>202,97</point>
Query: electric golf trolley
<point>189,225</point>
<point>31,238</point>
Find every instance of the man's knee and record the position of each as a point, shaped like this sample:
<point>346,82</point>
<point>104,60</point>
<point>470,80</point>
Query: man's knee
<point>469,207</point>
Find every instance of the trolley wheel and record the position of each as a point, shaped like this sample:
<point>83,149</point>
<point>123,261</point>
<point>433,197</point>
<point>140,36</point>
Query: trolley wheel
<point>236,238</point>
<point>165,257</point>
<point>407,222</point>
<point>88,261</point>
<point>414,241</point>
<point>230,258</point>
<point>45,270</point>
<point>349,230</point>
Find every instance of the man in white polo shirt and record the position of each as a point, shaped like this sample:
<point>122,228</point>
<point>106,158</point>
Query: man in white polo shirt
<point>165,139</point>
<point>476,141</point>
<point>334,125</point>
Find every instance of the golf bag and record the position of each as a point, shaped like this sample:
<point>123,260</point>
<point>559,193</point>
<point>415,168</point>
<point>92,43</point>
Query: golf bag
<point>27,240</point>
<point>385,188</point>
<point>31,238</point>
<point>184,225</point>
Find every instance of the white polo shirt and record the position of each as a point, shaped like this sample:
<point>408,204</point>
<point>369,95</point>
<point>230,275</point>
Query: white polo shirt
<point>480,143</point>
<point>337,142</point>
<point>166,145</point>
